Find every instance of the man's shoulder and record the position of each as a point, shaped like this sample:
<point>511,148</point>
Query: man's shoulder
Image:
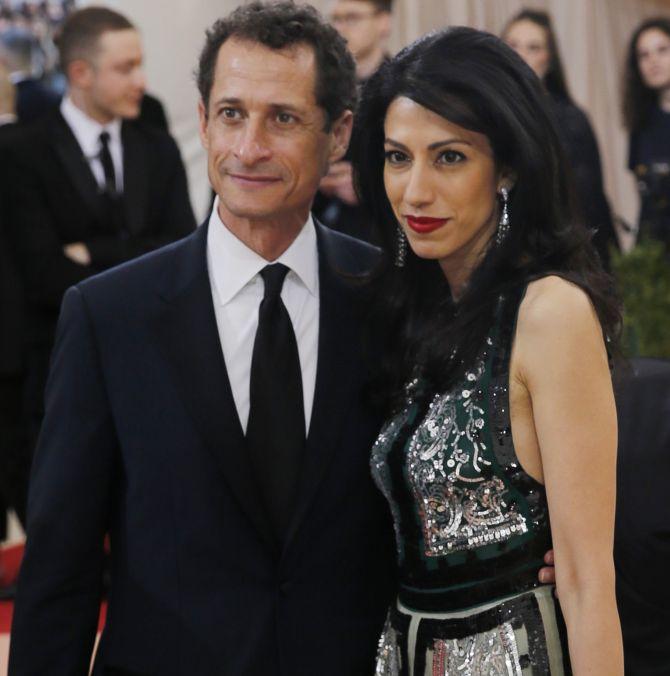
<point>157,139</point>
<point>32,137</point>
<point>346,254</point>
<point>143,279</point>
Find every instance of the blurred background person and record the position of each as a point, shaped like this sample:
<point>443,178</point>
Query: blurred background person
<point>366,26</point>
<point>530,33</point>
<point>647,119</point>
<point>17,51</point>
<point>13,464</point>
<point>91,188</point>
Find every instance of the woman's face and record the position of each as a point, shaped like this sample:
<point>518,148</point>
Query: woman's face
<point>530,42</point>
<point>653,58</point>
<point>441,181</point>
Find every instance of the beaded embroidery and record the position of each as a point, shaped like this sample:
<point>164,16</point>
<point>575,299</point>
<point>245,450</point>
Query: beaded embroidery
<point>493,653</point>
<point>388,652</point>
<point>461,503</point>
<point>379,462</point>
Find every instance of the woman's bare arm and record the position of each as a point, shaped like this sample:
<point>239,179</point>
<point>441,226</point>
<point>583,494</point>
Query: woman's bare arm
<point>563,363</point>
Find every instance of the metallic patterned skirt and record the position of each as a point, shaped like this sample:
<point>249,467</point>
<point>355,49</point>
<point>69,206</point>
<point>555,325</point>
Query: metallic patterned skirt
<point>522,635</point>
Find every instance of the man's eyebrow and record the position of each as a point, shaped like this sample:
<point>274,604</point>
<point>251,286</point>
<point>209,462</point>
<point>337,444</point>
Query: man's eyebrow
<point>233,101</point>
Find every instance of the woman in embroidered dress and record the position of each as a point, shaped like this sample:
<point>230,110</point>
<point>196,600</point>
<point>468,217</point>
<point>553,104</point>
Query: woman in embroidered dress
<point>495,374</point>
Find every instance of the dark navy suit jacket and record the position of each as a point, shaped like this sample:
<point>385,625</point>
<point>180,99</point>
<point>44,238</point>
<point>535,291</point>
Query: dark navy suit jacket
<point>142,440</point>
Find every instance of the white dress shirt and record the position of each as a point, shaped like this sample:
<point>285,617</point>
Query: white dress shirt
<point>237,290</point>
<point>87,132</point>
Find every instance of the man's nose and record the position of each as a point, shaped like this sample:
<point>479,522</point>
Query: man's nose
<point>140,79</point>
<point>252,146</point>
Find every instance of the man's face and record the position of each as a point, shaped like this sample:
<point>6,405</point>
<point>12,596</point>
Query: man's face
<point>267,148</point>
<point>361,24</point>
<point>115,81</point>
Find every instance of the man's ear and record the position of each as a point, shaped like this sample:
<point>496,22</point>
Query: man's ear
<point>340,134</point>
<point>385,26</point>
<point>80,74</point>
<point>203,121</point>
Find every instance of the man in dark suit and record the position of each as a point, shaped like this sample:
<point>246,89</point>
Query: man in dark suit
<point>366,26</point>
<point>13,463</point>
<point>91,188</point>
<point>205,407</point>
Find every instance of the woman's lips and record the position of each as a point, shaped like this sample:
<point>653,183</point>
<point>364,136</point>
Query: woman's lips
<point>425,224</point>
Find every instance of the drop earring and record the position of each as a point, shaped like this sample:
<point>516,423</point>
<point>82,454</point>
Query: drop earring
<point>401,248</point>
<point>503,223</point>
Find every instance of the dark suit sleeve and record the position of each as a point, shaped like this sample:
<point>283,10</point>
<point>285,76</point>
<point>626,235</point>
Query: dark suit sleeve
<point>173,219</point>
<point>59,591</point>
<point>47,271</point>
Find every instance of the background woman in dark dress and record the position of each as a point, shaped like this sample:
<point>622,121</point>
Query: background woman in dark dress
<point>647,118</point>
<point>495,378</point>
<point>530,33</point>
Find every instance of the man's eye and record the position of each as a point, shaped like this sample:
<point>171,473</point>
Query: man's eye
<point>451,157</point>
<point>395,157</point>
<point>285,118</point>
<point>229,113</point>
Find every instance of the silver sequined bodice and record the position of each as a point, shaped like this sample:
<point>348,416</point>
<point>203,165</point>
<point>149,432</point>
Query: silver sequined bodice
<point>470,523</point>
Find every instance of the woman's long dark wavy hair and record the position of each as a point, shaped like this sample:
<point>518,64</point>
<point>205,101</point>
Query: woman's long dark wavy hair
<point>554,79</point>
<point>638,99</point>
<point>474,80</point>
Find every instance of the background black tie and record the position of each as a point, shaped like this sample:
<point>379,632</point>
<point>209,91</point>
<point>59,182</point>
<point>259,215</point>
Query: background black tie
<point>276,427</point>
<point>107,165</point>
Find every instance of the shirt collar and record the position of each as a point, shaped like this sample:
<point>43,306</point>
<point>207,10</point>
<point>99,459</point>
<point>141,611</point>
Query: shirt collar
<point>233,264</point>
<point>87,130</point>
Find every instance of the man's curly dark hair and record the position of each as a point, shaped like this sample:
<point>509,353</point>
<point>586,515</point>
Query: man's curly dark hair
<point>277,26</point>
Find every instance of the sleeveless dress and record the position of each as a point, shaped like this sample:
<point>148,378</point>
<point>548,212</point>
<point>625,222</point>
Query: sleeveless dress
<point>471,530</point>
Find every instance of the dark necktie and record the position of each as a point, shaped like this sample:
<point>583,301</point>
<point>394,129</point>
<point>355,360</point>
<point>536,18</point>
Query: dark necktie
<point>107,165</point>
<point>276,427</point>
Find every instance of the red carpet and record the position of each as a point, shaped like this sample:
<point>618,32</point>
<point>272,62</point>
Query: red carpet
<point>10,561</point>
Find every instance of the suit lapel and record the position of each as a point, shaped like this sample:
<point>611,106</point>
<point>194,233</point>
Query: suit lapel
<point>335,375</point>
<point>75,163</point>
<point>135,178</point>
<point>188,334</point>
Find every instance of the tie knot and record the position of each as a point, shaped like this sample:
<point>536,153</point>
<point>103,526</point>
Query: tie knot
<point>273,277</point>
<point>104,138</point>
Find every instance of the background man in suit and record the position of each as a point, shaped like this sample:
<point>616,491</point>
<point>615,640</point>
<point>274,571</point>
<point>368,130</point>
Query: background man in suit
<point>91,188</point>
<point>12,437</point>
<point>366,26</point>
<point>205,406</point>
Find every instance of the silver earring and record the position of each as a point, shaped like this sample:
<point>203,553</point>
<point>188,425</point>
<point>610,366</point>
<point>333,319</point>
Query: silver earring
<point>401,248</point>
<point>503,223</point>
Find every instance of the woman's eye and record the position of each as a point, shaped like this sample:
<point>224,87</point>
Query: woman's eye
<point>451,157</point>
<point>395,157</point>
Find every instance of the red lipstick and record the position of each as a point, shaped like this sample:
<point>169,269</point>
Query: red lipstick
<point>425,224</point>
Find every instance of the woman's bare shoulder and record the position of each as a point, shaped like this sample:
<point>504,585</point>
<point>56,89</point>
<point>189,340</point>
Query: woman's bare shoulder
<point>553,303</point>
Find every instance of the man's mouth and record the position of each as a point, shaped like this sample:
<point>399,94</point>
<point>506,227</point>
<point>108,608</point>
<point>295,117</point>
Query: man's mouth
<point>252,180</point>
